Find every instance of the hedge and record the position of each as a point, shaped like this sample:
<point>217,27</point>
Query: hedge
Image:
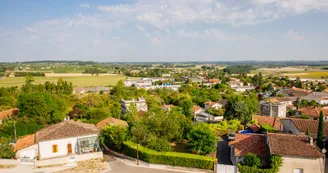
<point>276,162</point>
<point>169,158</point>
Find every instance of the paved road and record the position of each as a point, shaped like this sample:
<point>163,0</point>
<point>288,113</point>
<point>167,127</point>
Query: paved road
<point>120,167</point>
<point>223,151</point>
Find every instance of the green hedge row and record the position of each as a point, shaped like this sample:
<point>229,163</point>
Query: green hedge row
<point>276,162</point>
<point>169,158</point>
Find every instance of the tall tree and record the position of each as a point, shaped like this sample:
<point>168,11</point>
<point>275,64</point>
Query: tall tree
<point>261,80</point>
<point>320,131</point>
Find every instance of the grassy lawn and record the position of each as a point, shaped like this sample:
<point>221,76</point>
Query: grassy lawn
<point>76,80</point>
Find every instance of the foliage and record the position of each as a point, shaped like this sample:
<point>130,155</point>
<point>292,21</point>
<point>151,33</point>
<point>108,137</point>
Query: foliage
<point>320,134</point>
<point>241,107</point>
<point>95,115</point>
<point>23,74</point>
<point>303,116</point>
<point>201,139</point>
<point>252,160</point>
<point>6,149</point>
<point>307,131</point>
<point>170,158</point>
<point>94,70</point>
<point>267,128</point>
<point>238,69</point>
<point>158,144</point>
<point>225,127</point>
<point>113,136</point>
<point>275,164</point>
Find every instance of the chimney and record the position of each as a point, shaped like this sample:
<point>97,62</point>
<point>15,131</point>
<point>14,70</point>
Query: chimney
<point>310,140</point>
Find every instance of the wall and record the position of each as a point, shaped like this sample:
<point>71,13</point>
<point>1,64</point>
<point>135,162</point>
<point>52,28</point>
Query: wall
<point>308,165</point>
<point>8,162</point>
<point>88,156</point>
<point>289,127</point>
<point>29,152</point>
<point>46,147</point>
<point>55,161</point>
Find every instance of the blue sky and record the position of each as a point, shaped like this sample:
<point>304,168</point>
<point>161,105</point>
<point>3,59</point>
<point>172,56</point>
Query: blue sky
<point>163,30</point>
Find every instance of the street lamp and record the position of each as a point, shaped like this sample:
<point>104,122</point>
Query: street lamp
<point>324,153</point>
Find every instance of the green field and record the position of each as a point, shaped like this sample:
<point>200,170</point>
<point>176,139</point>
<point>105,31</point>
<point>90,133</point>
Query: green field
<point>70,69</point>
<point>309,75</point>
<point>76,80</point>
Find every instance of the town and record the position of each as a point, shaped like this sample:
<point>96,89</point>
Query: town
<point>216,117</point>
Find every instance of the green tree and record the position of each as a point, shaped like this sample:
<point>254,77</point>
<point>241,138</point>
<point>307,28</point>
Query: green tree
<point>261,80</point>
<point>158,144</point>
<point>241,107</point>
<point>320,135</point>
<point>307,131</point>
<point>252,160</point>
<point>113,136</point>
<point>201,139</point>
<point>187,108</point>
<point>6,149</point>
<point>94,115</point>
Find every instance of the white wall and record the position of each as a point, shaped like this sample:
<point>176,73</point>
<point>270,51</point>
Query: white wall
<point>309,165</point>
<point>45,147</point>
<point>29,152</point>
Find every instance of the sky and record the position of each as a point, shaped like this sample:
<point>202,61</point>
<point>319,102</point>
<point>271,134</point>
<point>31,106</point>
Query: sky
<point>163,30</point>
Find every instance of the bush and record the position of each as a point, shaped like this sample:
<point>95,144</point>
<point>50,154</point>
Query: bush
<point>170,158</point>
<point>252,160</point>
<point>275,163</point>
<point>201,139</point>
<point>6,150</point>
<point>158,144</point>
<point>113,136</point>
<point>267,128</point>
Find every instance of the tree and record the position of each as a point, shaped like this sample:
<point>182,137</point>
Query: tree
<point>241,107</point>
<point>113,136</point>
<point>94,115</point>
<point>320,134</point>
<point>307,132</point>
<point>252,160</point>
<point>261,79</point>
<point>187,108</point>
<point>158,144</point>
<point>6,149</point>
<point>201,139</point>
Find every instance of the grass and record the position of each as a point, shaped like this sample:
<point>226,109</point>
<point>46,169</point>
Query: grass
<point>312,75</point>
<point>69,69</point>
<point>76,80</point>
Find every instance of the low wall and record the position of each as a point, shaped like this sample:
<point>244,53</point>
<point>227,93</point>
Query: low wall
<point>88,156</point>
<point>8,162</point>
<point>55,161</point>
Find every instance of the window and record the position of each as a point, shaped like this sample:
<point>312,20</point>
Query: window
<point>54,148</point>
<point>298,170</point>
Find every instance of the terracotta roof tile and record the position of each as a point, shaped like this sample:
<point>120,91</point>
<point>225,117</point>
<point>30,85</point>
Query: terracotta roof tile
<point>313,112</point>
<point>250,143</point>
<point>255,127</point>
<point>302,125</point>
<point>24,142</point>
<point>273,121</point>
<point>111,121</point>
<point>8,113</point>
<point>65,129</point>
<point>292,145</point>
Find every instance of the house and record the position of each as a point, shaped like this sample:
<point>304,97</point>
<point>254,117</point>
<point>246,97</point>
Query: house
<point>319,97</point>
<point>296,92</point>
<point>300,126</point>
<point>216,105</point>
<point>247,143</point>
<point>81,90</point>
<point>206,117</point>
<point>234,84</point>
<point>261,120</point>
<point>166,75</point>
<point>138,83</point>
<point>313,112</point>
<point>285,100</point>
<point>140,104</point>
<point>68,141</point>
<point>211,82</point>
<point>111,121</point>
<point>197,109</point>
<point>7,114</point>
<point>273,109</point>
<point>243,88</point>
<point>167,107</point>
<point>298,152</point>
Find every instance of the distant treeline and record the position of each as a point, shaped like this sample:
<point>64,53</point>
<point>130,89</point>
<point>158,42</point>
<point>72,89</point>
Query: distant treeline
<point>23,74</point>
<point>94,70</point>
<point>238,69</point>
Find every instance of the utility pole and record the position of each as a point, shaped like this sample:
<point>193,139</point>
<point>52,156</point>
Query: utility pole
<point>138,154</point>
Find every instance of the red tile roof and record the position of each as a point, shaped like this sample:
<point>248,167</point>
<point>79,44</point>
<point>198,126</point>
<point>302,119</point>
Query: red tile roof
<point>273,121</point>
<point>313,112</point>
<point>24,142</point>
<point>302,125</point>
<point>250,143</point>
<point>255,127</point>
<point>111,121</point>
<point>65,129</point>
<point>292,145</point>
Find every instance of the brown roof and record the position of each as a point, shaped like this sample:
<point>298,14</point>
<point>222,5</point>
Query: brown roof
<point>292,145</point>
<point>302,125</point>
<point>195,108</point>
<point>281,99</point>
<point>273,121</point>
<point>297,92</point>
<point>24,142</point>
<point>313,111</point>
<point>8,113</point>
<point>250,143</point>
<point>66,129</point>
<point>255,127</point>
<point>111,121</point>
<point>223,102</point>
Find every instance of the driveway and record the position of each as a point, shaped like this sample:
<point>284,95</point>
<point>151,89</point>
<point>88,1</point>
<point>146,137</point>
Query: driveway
<point>223,151</point>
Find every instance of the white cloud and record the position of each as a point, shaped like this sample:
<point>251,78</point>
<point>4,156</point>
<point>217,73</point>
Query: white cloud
<point>294,36</point>
<point>85,5</point>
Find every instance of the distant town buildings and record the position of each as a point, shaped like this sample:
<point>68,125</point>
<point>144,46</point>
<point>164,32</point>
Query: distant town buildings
<point>81,90</point>
<point>140,104</point>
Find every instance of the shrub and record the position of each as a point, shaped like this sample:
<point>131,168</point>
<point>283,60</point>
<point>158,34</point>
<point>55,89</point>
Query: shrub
<point>170,158</point>
<point>303,116</point>
<point>275,163</point>
<point>158,144</point>
<point>267,128</point>
<point>252,160</point>
<point>113,136</point>
<point>6,150</point>
<point>201,139</point>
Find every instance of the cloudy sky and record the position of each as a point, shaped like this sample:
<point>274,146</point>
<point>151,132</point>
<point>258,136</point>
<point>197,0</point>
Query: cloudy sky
<point>163,30</point>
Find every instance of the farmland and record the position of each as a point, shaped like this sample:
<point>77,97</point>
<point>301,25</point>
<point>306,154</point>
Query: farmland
<point>309,75</point>
<point>76,80</point>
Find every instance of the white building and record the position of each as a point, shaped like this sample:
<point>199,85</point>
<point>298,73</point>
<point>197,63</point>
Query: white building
<point>140,104</point>
<point>68,141</point>
<point>273,109</point>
